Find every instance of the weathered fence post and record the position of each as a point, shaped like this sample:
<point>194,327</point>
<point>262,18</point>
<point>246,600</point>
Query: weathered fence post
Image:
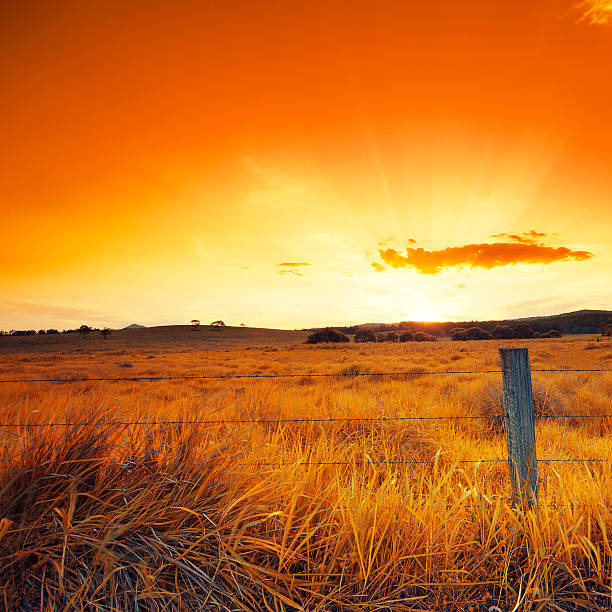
<point>520,425</point>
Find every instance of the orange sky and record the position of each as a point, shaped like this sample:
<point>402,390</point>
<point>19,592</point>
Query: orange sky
<point>162,160</point>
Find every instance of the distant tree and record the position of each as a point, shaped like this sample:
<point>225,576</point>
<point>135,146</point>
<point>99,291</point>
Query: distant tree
<point>105,332</point>
<point>503,332</point>
<point>391,337</point>
<point>329,334</point>
<point>42,332</point>
<point>52,332</point>
<point>84,330</point>
<point>407,336</point>
<point>195,324</point>
<point>218,324</point>
<point>365,335</point>
<point>552,333</point>
<point>423,337</point>
<point>242,325</point>
<point>458,333</point>
<point>477,333</point>
<point>605,328</point>
<point>523,330</point>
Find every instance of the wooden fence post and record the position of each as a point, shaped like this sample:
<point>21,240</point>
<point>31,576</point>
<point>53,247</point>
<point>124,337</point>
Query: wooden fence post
<point>520,425</point>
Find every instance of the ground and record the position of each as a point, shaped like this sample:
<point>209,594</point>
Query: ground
<point>375,510</point>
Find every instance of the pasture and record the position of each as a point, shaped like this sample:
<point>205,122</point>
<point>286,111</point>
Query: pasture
<point>340,500</point>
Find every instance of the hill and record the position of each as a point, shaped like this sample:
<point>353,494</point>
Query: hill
<point>173,337</point>
<point>577,322</point>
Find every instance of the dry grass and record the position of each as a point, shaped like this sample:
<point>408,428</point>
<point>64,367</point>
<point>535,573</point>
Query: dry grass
<point>222,517</point>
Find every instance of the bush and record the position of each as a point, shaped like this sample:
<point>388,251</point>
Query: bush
<point>503,332</point>
<point>524,331</point>
<point>423,337</point>
<point>406,337</point>
<point>471,333</point>
<point>391,337</point>
<point>477,333</point>
<point>458,333</point>
<point>553,333</point>
<point>329,334</point>
<point>365,335</point>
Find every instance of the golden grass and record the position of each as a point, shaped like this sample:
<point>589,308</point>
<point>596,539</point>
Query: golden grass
<point>223,516</point>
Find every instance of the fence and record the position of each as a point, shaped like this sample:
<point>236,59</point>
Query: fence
<point>519,416</point>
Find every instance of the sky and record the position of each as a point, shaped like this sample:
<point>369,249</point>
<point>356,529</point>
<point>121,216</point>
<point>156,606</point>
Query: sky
<point>298,164</point>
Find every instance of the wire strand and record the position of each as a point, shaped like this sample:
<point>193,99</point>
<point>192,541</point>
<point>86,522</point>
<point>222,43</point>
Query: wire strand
<point>303,375</point>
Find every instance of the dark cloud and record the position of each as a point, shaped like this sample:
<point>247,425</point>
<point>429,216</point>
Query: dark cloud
<point>523,248</point>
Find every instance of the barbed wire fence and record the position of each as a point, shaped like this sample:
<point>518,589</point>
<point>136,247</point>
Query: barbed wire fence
<point>518,416</point>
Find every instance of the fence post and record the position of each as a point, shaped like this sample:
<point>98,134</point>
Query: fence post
<point>520,425</point>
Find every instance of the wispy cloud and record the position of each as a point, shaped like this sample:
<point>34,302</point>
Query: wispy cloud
<point>292,272</point>
<point>530,237</point>
<point>518,248</point>
<point>595,12</point>
<point>289,267</point>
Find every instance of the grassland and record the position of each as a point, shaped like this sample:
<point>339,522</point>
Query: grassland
<point>297,515</point>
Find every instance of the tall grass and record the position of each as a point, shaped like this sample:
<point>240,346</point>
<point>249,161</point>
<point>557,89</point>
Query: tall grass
<point>226,516</point>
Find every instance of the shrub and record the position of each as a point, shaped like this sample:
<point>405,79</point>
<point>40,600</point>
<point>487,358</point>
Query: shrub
<point>423,337</point>
<point>524,331</point>
<point>503,332</point>
<point>406,337</point>
<point>329,334</point>
<point>458,333</point>
<point>477,333</point>
<point>365,335</point>
<point>391,337</point>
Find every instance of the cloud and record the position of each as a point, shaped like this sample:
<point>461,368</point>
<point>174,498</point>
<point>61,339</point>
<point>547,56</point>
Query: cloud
<point>293,264</point>
<point>595,12</point>
<point>293,272</point>
<point>378,267</point>
<point>460,286</point>
<point>530,237</point>
<point>522,248</point>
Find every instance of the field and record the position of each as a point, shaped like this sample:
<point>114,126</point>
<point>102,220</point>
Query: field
<point>374,513</point>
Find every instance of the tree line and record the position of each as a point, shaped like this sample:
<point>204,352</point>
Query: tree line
<point>84,330</point>
<point>331,334</point>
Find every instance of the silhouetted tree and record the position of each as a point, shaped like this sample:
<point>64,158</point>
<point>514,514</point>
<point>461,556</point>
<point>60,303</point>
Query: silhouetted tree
<point>477,333</point>
<point>52,332</point>
<point>329,334</point>
<point>218,324</point>
<point>523,330</point>
<point>605,328</point>
<point>503,332</point>
<point>423,337</point>
<point>195,324</point>
<point>365,335</point>
<point>84,330</point>
<point>391,337</point>
<point>407,336</point>
<point>458,333</point>
<point>105,332</point>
